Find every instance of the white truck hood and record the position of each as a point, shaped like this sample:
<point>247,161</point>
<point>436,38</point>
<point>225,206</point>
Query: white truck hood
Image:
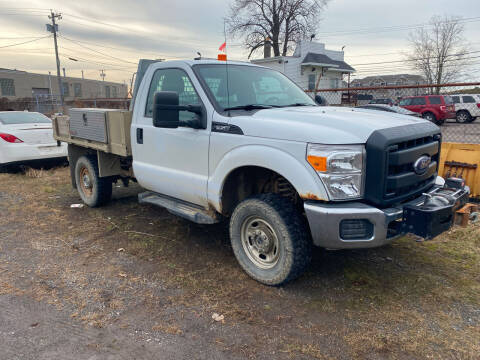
<point>324,125</point>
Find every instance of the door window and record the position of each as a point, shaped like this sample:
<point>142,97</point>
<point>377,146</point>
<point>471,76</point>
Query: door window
<point>173,80</point>
<point>418,101</point>
<point>435,100</point>
<point>456,99</point>
<point>405,102</point>
<point>468,99</point>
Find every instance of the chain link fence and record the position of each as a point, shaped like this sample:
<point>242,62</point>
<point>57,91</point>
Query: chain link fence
<point>454,107</point>
<point>51,104</point>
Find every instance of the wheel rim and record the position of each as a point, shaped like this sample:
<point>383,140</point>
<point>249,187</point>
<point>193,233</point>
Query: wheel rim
<point>260,242</point>
<point>462,117</point>
<point>429,117</point>
<point>86,183</point>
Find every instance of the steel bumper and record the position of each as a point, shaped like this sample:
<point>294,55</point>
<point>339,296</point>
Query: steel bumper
<point>324,220</point>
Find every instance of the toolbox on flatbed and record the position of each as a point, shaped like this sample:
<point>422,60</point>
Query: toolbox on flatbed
<point>107,130</point>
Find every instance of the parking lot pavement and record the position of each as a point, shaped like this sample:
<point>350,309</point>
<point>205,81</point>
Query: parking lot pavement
<point>130,281</point>
<point>464,133</point>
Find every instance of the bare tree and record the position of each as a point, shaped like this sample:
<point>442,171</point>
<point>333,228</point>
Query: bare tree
<point>283,22</point>
<point>439,50</point>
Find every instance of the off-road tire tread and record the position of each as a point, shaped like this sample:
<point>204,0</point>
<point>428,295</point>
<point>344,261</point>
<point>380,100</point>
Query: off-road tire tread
<point>104,185</point>
<point>285,211</point>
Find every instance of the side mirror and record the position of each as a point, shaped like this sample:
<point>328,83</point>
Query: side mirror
<point>165,109</point>
<point>320,100</point>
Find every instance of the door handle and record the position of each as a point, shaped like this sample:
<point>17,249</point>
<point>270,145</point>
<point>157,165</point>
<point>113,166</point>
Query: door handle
<point>139,136</point>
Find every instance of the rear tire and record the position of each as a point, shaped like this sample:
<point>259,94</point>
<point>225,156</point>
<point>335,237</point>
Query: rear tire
<point>463,117</point>
<point>430,117</point>
<point>270,239</point>
<point>94,190</point>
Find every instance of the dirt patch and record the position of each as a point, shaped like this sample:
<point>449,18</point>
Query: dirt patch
<point>136,272</point>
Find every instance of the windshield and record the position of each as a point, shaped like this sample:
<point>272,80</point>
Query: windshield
<point>250,85</point>
<point>13,118</point>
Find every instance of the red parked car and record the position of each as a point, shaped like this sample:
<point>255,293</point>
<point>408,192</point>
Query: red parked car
<point>435,108</point>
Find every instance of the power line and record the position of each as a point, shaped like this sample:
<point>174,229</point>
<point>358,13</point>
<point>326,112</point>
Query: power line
<point>98,52</point>
<point>417,59</point>
<point>75,51</point>
<point>25,42</point>
<point>154,54</point>
<point>95,21</point>
<point>392,28</point>
<point>65,55</point>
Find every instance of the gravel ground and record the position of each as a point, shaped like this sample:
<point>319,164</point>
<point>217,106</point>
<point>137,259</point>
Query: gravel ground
<point>130,281</point>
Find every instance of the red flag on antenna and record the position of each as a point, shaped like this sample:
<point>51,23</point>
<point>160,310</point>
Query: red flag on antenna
<point>223,46</point>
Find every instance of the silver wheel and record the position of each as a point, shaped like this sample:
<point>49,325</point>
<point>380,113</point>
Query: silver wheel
<point>260,242</point>
<point>463,117</point>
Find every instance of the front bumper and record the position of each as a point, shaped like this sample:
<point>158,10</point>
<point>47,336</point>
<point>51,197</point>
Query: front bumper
<point>388,224</point>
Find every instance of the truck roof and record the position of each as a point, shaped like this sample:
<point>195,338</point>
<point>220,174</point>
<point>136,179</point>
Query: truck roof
<point>210,61</point>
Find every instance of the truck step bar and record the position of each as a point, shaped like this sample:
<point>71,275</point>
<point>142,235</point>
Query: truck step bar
<point>180,208</point>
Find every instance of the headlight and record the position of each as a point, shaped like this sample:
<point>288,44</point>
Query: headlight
<point>340,167</point>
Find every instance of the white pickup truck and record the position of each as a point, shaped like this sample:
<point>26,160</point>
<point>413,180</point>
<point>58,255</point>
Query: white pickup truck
<point>211,140</point>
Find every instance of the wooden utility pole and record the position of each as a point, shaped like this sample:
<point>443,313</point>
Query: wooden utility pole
<point>53,28</point>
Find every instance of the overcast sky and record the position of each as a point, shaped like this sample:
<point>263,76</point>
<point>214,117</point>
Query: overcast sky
<point>124,31</point>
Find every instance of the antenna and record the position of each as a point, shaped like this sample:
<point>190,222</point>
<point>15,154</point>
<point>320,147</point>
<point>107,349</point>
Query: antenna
<point>226,63</point>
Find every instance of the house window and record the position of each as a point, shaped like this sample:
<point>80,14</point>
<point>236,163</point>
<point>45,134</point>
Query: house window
<point>311,81</point>
<point>65,89</point>
<point>114,91</point>
<point>77,89</point>
<point>334,83</point>
<point>8,87</point>
<point>107,91</point>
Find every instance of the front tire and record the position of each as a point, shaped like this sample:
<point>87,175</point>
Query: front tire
<point>430,117</point>
<point>270,239</point>
<point>463,117</point>
<point>94,190</point>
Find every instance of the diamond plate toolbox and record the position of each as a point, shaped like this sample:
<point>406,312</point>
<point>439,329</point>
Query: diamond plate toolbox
<point>89,124</point>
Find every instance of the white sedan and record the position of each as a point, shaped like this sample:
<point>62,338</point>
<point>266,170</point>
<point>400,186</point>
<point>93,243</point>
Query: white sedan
<point>26,137</point>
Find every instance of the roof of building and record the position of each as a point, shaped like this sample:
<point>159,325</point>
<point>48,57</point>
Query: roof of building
<point>65,78</point>
<point>313,58</point>
<point>390,78</point>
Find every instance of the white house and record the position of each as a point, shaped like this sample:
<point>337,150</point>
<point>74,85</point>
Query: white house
<point>310,64</point>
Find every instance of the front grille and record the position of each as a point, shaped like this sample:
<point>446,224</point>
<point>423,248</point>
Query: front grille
<point>391,154</point>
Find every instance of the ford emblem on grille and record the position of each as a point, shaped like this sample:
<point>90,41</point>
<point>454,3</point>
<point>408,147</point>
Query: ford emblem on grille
<point>420,166</point>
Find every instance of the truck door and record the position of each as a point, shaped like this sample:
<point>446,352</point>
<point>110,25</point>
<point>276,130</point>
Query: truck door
<point>172,162</point>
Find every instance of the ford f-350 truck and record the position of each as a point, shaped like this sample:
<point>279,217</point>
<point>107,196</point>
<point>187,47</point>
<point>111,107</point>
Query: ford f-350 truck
<point>212,140</point>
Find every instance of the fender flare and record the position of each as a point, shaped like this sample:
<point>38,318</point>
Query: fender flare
<point>303,178</point>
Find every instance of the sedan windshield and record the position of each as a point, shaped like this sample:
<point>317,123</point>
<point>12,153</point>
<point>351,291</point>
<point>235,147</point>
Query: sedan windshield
<point>23,117</point>
<point>250,87</point>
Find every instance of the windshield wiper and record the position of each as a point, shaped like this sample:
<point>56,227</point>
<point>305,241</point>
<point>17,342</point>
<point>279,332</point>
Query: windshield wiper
<point>248,107</point>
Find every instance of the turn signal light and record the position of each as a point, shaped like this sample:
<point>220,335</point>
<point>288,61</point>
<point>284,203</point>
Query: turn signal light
<point>10,138</point>
<point>222,57</point>
<point>319,163</point>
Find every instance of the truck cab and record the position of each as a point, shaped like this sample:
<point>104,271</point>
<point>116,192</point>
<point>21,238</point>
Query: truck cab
<point>213,140</point>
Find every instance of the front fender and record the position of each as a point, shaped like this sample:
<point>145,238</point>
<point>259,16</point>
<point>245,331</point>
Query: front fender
<point>303,178</point>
